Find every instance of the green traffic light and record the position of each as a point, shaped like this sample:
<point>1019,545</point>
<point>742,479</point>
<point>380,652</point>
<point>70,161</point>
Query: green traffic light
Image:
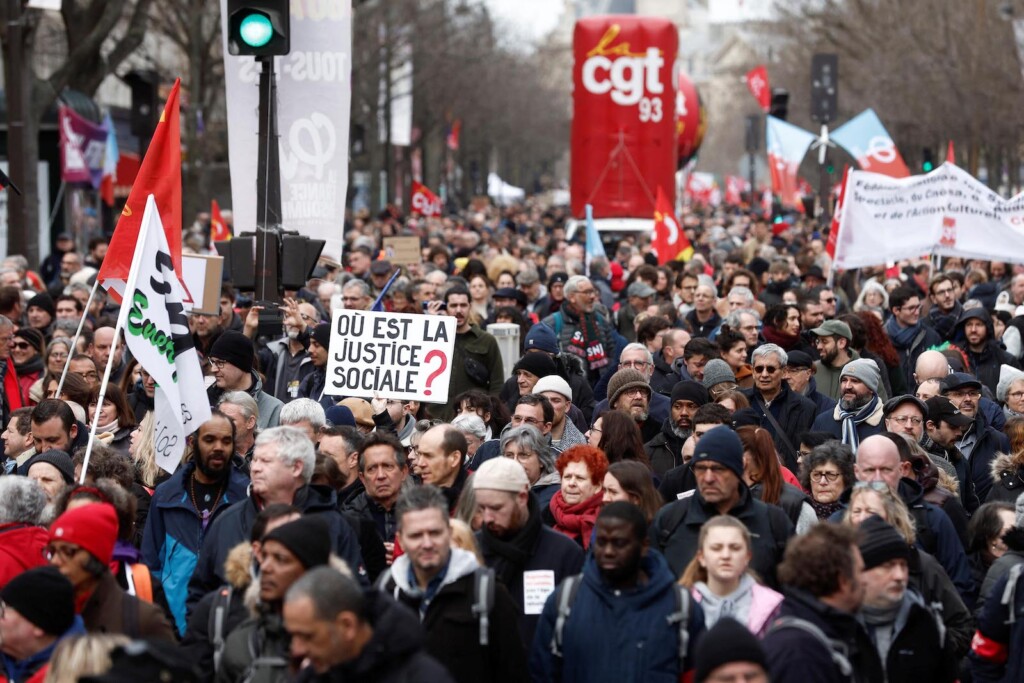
<point>927,166</point>
<point>256,30</point>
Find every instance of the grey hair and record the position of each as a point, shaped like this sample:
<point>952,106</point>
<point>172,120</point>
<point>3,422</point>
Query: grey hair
<point>299,409</point>
<point>707,281</point>
<point>634,346</point>
<point>330,593</point>
<point>246,403</point>
<point>5,321</point>
<point>574,283</point>
<point>740,290</point>
<point>356,283</point>
<point>292,446</point>
<point>530,438</point>
<point>68,326</point>
<point>472,424</point>
<point>733,319</point>
<point>22,501</point>
<point>765,349</point>
<point>19,261</point>
<point>80,287</point>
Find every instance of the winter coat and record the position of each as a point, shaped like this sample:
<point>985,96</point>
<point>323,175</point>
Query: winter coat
<point>234,525</point>
<point>566,323</point>
<point>268,406</point>
<point>197,644</point>
<point>664,451</point>
<point>997,650</point>
<point>1007,480</point>
<point>793,412</point>
<point>21,548</point>
<point>384,521</point>
<point>822,403</point>
<point>481,349</point>
<point>985,364</point>
<point>664,376</point>
<point>676,528</point>
<point>174,533</point>
<point>989,443</point>
<point>33,668</point>
<point>929,579</point>
<point>274,359</point>
<point>919,650</point>
<point>925,339</point>
<point>257,651</point>
<point>111,610</point>
<point>396,652</point>
<point>794,502</point>
<point>1014,540</point>
<point>795,655</point>
<point>764,606</point>
<point>832,423</point>
<point>928,477</point>
<point>617,635</point>
<point>453,630</point>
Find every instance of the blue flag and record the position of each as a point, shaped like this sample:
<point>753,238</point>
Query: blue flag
<point>594,246</point>
<point>378,305</point>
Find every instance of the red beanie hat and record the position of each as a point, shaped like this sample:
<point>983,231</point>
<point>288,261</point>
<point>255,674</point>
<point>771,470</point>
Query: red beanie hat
<point>93,527</point>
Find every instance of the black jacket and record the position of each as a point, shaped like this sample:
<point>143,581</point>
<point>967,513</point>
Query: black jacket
<point>985,364</point>
<point>395,653</point>
<point>676,528</point>
<point>795,655</point>
<point>918,651</point>
<point>453,629</point>
<point>664,376</point>
<point>664,450</point>
<point>793,412</point>
<point>989,444</point>
<point>929,579</point>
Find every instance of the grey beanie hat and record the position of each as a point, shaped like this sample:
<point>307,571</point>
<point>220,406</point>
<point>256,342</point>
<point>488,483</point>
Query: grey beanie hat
<point>864,369</point>
<point>717,371</point>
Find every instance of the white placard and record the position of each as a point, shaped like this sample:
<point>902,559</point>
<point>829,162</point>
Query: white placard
<point>391,355</point>
<point>537,586</point>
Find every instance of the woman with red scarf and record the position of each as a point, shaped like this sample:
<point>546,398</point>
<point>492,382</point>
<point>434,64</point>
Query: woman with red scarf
<point>782,327</point>
<point>574,507</point>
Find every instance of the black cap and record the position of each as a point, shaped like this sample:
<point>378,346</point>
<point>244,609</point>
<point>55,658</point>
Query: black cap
<point>941,408</point>
<point>798,359</point>
<point>959,380</point>
<point>896,401</point>
<point>511,293</point>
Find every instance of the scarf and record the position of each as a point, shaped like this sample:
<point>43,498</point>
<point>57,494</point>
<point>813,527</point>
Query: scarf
<point>825,510</point>
<point>32,365</point>
<point>108,429</point>
<point>576,521</point>
<point>902,337</point>
<point>787,341</point>
<point>735,604</point>
<point>944,323</point>
<point>586,341</point>
<point>851,420</point>
<point>516,550</point>
<point>881,622</point>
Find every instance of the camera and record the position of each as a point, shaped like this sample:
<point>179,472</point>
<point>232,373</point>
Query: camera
<point>442,307</point>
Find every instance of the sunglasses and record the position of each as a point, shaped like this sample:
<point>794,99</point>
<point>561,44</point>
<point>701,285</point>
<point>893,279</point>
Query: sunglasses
<point>761,369</point>
<point>23,346</point>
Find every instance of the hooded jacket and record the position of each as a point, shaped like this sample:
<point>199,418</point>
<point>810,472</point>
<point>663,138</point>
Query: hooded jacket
<point>987,445</point>
<point>452,628</point>
<point>174,533</point>
<point>21,548</point>
<point>985,364</point>
<point>617,635</point>
<point>396,652</point>
<point>1007,480</point>
<point>268,406</point>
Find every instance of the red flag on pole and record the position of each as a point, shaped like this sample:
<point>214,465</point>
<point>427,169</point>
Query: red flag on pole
<point>424,202</point>
<point>833,232</point>
<point>218,228</point>
<point>950,154</point>
<point>160,175</point>
<point>757,83</point>
<point>668,240</point>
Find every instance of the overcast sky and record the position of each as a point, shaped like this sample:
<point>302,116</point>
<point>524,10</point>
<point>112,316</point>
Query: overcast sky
<point>530,19</point>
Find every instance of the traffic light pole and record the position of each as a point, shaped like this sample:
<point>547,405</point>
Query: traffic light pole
<point>268,203</point>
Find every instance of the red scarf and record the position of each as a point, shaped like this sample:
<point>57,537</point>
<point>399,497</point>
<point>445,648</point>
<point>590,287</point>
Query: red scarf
<point>576,520</point>
<point>787,341</point>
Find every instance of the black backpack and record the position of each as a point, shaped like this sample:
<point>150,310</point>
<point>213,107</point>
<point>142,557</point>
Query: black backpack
<point>484,582</point>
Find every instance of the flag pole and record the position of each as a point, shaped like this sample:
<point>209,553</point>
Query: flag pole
<point>78,333</point>
<point>122,318</point>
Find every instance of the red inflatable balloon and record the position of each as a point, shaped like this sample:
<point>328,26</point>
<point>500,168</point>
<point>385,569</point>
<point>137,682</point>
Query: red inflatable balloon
<point>691,119</point>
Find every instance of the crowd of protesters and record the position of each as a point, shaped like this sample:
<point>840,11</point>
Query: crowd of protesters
<point>731,468</point>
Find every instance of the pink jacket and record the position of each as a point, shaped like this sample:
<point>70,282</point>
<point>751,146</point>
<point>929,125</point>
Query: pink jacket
<point>764,604</point>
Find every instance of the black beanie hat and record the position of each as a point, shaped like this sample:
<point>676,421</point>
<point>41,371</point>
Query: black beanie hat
<point>726,642</point>
<point>43,596</point>
<point>539,364</point>
<point>880,542</point>
<point>723,446</point>
<point>59,459</point>
<point>322,335</point>
<point>33,337</point>
<point>689,390</point>
<point>308,538</point>
<point>43,301</point>
<point>234,348</point>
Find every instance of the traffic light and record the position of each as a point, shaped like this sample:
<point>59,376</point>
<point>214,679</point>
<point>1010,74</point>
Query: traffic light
<point>927,160</point>
<point>259,28</point>
<point>824,87</point>
<point>780,103</point>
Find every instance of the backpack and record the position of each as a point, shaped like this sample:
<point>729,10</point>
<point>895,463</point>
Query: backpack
<point>484,582</point>
<point>140,581</point>
<point>837,649</point>
<point>565,596</point>
<point>215,629</point>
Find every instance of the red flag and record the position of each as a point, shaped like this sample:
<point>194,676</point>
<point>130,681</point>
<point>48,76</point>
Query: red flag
<point>453,135</point>
<point>218,228</point>
<point>833,233</point>
<point>757,83</point>
<point>424,202</point>
<point>160,175</point>
<point>950,154</point>
<point>668,240</point>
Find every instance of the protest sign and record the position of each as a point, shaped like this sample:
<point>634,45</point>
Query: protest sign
<point>946,212</point>
<point>391,355</point>
<point>403,251</point>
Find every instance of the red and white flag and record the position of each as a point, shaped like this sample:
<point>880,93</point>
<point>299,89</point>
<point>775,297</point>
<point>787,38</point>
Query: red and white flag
<point>424,202</point>
<point>787,145</point>
<point>757,83</point>
<point>735,186</point>
<point>833,231</point>
<point>669,240</point>
<point>160,175</point>
<point>219,231</point>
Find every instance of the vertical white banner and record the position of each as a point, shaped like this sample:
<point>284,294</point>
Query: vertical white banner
<point>314,96</point>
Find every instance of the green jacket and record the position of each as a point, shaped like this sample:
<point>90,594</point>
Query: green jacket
<point>476,356</point>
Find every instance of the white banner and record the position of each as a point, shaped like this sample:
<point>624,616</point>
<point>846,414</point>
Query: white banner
<point>946,212</point>
<point>156,331</point>
<point>314,93</point>
<point>391,355</point>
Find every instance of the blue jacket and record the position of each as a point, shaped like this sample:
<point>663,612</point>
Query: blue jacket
<point>174,533</point>
<point>617,637</point>
<point>997,649</point>
<point>990,442</point>
<point>235,524</point>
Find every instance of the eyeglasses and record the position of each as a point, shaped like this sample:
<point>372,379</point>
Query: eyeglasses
<point>639,364</point>
<point>522,456</point>
<point>766,369</point>
<point>64,552</point>
<point>519,419</point>
<point>634,391</point>
<point>595,429</point>
<point>218,363</point>
<point>957,395</point>
<point>1016,395</point>
<point>703,468</point>
<point>943,292</point>
<point>827,300</point>
<point>23,346</point>
<point>904,419</point>
<point>586,292</point>
<point>824,476</point>
<point>911,308</point>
